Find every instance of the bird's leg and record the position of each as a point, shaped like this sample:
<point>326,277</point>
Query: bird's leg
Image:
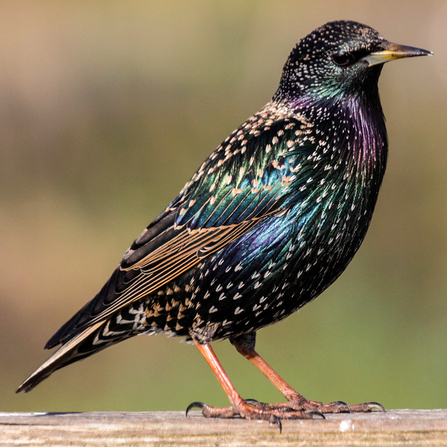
<point>239,407</point>
<point>295,399</point>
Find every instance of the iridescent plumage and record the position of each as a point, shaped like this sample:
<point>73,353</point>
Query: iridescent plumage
<point>270,219</point>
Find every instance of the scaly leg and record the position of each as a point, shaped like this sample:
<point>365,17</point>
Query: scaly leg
<point>245,346</point>
<point>238,405</point>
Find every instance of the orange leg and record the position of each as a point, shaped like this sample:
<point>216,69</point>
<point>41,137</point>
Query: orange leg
<point>286,390</point>
<point>297,406</point>
<point>295,399</point>
<point>238,405</point>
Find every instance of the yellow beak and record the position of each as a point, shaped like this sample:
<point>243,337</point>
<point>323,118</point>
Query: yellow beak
<point>394,51</point>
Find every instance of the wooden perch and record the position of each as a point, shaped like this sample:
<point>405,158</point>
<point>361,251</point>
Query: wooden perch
<point>171,428</point>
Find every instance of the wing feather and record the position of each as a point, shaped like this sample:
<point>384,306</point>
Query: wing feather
<point>238,186</point>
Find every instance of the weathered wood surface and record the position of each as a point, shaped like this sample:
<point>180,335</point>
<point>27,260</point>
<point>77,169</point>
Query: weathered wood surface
<point>393,428</point>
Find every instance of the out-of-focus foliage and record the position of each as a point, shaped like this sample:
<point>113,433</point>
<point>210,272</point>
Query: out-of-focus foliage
<point>106,110</point>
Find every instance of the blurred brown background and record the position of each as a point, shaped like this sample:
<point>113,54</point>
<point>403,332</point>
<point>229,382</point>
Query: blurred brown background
<point>106,110</point>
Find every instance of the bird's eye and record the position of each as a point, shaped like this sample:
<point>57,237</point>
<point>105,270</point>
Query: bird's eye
<point>344,59</point>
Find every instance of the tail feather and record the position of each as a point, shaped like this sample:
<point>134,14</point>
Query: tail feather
<point>63,356</point>
<point>128,322</point>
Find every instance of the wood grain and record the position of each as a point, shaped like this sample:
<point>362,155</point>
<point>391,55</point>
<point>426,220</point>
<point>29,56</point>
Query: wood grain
<point>393,428</point>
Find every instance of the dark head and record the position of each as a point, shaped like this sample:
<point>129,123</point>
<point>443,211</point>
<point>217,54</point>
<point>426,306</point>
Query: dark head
<point>338,59</point>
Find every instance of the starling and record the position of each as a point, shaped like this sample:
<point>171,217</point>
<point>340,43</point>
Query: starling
<point>272,217</point>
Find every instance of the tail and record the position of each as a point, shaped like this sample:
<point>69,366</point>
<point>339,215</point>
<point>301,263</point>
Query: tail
<point>66,354</point>
<point>79,337</point>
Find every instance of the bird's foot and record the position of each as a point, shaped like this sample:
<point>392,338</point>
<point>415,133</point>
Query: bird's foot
<point>300,403</point>
<point>252,409</point>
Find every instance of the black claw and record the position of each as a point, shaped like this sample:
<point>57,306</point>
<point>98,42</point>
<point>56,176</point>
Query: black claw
<point>287,409</point>
<point>278,421</point>
<point>275,419</point>
<point>252,401</point>
<point>376,406</point>
<point>344,404</point>
<point>199,405</point>
<point>317,413</point>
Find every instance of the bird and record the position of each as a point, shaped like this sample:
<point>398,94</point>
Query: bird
<point>270,220</point>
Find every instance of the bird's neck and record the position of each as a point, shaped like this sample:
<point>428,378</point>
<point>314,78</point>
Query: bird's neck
<point>354,124</point>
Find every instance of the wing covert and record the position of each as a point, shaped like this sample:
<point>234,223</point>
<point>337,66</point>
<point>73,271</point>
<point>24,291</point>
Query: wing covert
<point>244,181</point>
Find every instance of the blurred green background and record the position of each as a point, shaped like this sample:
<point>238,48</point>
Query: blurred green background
<point>106,110</point>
